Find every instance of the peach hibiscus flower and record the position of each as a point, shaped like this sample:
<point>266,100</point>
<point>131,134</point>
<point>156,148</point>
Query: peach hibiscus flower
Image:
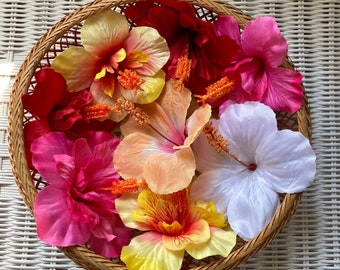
<point>115,61</point>
<point>173,224</point>
<point>160,151</point>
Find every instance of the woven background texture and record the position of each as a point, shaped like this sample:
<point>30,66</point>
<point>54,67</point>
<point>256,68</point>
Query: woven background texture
<point>312,238</point>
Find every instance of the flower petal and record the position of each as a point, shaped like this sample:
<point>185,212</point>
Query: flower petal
<point>43,151</point>
<point>245,126</point>
<point>148,41</point>
<point>251,207</point>
<point>55,223</point>
<point>103,33</point>
<point>77,66</point>
<point>284,90</point>
<point>262,38</point>
<point>221,243</point>
<point>169,172</point>
<point>147,252</point>
<point>287,162</point>
<point>150,89</point>
<point>198,232</point>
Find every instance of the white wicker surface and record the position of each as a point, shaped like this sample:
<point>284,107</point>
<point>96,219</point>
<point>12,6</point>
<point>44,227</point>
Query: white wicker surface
<point>312,238</point>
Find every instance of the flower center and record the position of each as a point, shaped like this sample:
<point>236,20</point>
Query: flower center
<point>130,80</point>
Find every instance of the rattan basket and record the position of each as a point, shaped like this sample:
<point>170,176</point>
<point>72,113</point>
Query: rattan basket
<point>66,32</point>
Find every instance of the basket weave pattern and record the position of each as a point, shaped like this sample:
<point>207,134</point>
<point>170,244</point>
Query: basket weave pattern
<point>65,34</point>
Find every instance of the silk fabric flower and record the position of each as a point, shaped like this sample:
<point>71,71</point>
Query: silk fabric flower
<point>115,60</point>
<point>76,207</point>
<point>172,224</point>
<point>160,151</point>
<point>278,162</point>
<point>210,50</point>
<point>259,67</point>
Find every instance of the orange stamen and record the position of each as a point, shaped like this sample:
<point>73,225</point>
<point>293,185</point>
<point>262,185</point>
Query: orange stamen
<point>217,90</point>
<point>183,69</point>
<point>130,80</point>
<point>136,113</point>
<point>98,111</point>
<point>127,186</point>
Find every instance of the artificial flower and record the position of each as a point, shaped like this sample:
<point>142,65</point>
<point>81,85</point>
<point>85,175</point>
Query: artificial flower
<point>119,61</point>
<point>210,50</point>
<point>173,224</point>
<point>259,67</point>
<point>267,162</point>
<point>159,151</point>
<point>56,109</point>
<point>77,206</point>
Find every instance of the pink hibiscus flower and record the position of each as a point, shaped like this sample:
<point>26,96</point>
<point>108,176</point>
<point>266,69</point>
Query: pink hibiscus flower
<point>259,67</point>
<point>210,50</point>
<point>77,206</point>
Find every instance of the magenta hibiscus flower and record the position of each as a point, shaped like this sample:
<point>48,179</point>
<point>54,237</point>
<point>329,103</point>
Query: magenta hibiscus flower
<point>77,206</point>
<point>259,67</point>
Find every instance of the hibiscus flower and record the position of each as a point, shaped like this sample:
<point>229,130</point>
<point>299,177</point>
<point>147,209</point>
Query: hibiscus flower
<point>115,60</point>
<point>77,207</point>
<point>245,189</point>
<point>210,50</point>
<point>173,224</point>
<point>259,68</point>
<point>56,109</point>
<point>160,151</point>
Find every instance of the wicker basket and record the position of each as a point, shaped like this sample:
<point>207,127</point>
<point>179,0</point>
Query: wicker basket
<point>66,32</point>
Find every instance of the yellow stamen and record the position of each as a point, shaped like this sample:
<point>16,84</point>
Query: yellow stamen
<point>98,111</point>
<point>136,113</point>
<point>217,90</point>
<point>183,69</point>
<point>130,80</point>
<point>127,186</point>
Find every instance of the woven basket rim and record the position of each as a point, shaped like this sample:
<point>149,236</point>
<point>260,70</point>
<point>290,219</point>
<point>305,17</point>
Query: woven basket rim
<point>80,254</point>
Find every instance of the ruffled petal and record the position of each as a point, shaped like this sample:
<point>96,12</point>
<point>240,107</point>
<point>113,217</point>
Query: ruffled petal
<point>262,38</point>
<point>55,223</point>
<point>287,162</point>
<point>197,233</point>
<point>104,33</point>
<point>146,252</point>
<point>150,89</point>
<point>221,243</point>
<point>169,172</point>
<point>227,25</point>
<point>77,66</point>
<point>43,151</point>
<point>284,90</point>
<point>148,41</point>
<point>251,207</point>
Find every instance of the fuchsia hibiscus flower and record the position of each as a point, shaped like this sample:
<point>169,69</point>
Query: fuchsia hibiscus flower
<point>115,61</point>
<point>272,161</point>
<point>172,224</point>
<point>77,207</point>
<point>160,151</point>
<point>210,50</point>
<point>263,51</point>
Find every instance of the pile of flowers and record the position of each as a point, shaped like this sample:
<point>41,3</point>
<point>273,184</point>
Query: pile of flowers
<point>161,139</point>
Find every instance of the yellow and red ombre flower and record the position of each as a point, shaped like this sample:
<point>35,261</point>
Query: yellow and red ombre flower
<point>116,60</point>
<point>173,224</point>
